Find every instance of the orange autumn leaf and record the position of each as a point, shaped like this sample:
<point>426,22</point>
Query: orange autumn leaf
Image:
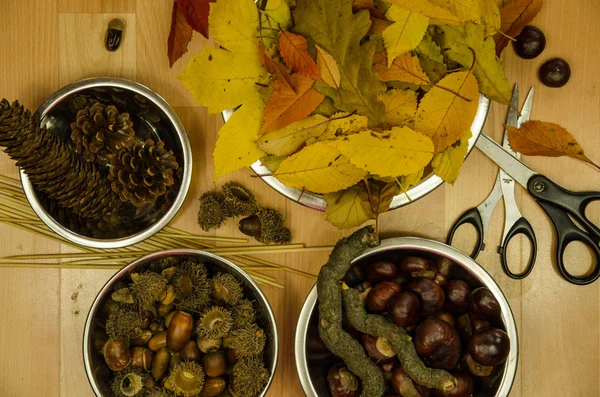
<point>179,36</point>
<point>405,68</point>
<point>285,106</point>
<point>514,17</point>
<point>274,67</point>
<point>540,138</point>
<point>294,51</point>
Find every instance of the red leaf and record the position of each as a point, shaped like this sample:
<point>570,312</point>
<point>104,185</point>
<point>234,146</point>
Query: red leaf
<point>180,35</point>
<point>196,13</point>
<point>294,51</point>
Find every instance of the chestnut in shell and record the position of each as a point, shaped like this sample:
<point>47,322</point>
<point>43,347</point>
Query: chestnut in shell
<point>342,382</point>
<point>380,295</point>
<point>489,346</point>
<point>415,264</point>
<point>382,271</point>
<point>484,304</point>
<point>464,387</point>
<point>438,344</point>
<point>404,309</point>
<point>457,296</point>
<point>378,349</point>
<point>401,382</point>
<point>430,294</point>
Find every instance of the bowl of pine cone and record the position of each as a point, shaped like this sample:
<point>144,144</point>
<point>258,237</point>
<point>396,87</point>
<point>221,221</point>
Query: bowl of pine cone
<point>104,162</point>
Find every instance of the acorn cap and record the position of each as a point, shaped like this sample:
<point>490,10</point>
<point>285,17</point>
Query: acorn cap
<point>147,288</point>
<point>124,323</point>
<point>129,383</point>
<point>239,201</point>
<point>186,378</point>
<point>212,210</point>
<point>214,323</point>
<point>226,288</point>
<point>267,226</point>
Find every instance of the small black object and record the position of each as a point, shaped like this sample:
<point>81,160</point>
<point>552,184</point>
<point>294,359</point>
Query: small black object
<point>114,35</point>
<point>555,73</point>
<point>472,217</point>
<point>530,42</point>
<point>522,226</point>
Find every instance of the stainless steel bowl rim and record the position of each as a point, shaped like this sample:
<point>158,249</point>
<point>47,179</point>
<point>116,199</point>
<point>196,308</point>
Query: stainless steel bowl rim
<point>157,100</point>
<point>124,271</point>
<point>423,188</point>
<point>435,247</point>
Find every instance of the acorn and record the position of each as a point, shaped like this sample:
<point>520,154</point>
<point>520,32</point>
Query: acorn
<point>190,352</point>
<point>267,226</point>
<point>169,317</point>
<point>192,286</point>
<point>116,354</point>
<point>213,387</point>
<point>187,379</point>
<point>226,288</point>
<point>160,365</point>
<point>179,331</point>
<point>214,364</point>
<point>164,310</point>
<point>158,341</point>
<point>141,357</point>
<point>169,295</point>
<point>142,338</point>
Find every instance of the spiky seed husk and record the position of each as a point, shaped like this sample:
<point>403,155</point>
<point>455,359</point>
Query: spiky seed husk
<point>129,383</point>
<point>147,288</point>
<point>248,341</point>
<point>124,323</point>
<point>214,323</point>
<point>162,392</point>
<point>140,174</point>
<point>272,227</point>
<point>186,379</point>
<point>243,313</point>
<point>212,211</point>
<point>239,201</point>
<point>100,132</point>
<point>249,377</point>
<point>192,286</point>
<point>226,288</point>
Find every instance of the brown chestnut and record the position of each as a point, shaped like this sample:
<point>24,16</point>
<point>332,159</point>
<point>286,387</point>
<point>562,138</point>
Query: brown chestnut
<point>400,382</point>
<point>382,271</point>
<point>141,357</point>
<point>489,346</point>
<point>457,296</point>
<point>378,349</point>
<point>438,343</point>
<point>484,304</point>
<point>467,324</point>
<point>179,331</point>
<point>190,352</point>
<point>213,387</point>
<point>380,295</point>
<point>214,364</point>
<point>415,264</point>
<point>116,354</point>
<point>447,317</point>
<point>342,382</point>
<point>430,294</point>
<point>463,388</point>
<point>354,276</point>
<point>404,309</point>
<point>467,364</point>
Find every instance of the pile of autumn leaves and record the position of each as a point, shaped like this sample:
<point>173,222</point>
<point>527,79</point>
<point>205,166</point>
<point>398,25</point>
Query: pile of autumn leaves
<point>354,99</point>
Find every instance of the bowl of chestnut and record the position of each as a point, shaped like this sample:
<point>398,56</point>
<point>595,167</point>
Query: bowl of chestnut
<point>457,316</point>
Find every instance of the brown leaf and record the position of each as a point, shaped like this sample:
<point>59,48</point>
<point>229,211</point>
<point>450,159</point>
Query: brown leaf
<point>369,5</point>
<point>180,35</point>
<point>274,67</point>
<point>285,107</point>
<point>405,68</point>
<point>294,51</point>
<point>196,12</point>
<point>540,138</point>
<point>330,72</point>
<point>514,17</point>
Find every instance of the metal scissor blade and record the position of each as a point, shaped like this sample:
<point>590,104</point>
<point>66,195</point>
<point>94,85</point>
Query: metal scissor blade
<point>513,167</point>
<point>513,109</point>
<point>526,109</point>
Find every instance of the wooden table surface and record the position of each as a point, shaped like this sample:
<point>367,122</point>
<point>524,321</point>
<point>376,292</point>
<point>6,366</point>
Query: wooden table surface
<point>46,44</point>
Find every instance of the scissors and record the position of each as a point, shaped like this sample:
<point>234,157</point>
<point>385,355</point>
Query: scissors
<point>514,222</point>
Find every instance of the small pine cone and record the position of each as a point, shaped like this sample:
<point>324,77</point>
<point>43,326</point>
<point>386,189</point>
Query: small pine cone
<point>142,173</point>
<point>100,131</point>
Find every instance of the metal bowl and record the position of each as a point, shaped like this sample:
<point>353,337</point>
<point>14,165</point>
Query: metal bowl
<point>152,117</point>
<point>96,369</point>
<point>426,186</point>
<point>313,363</point>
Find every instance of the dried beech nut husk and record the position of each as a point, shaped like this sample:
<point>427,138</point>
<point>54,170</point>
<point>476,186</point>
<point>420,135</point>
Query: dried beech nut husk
<point>404,309</point>
<point>142,339</point>
<point>179,331</point>
<point>378,349</point>
<point>214,364</point>
<point>380,295</point>
<point>161,363</point>
<point>382,271</point>
<point>190,352</point>
<point>116,354</point>
<point>141,357</point>
<point>342,382</point>
<point>158,341</point>
<point>430,294</point>
<point>213,387</point>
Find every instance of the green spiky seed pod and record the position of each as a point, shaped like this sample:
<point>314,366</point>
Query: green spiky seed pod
<point>214,323</point>
<point>266,226</point>
<point>162,392</point>
<point>124,323</point>
<point>244,314</point>
<point>129,383</point>
<point>186,379</point>
<point>239,201</point>
<point>147,288</point>
<point>192,286</point>
<point>226,288</point>
<point>248,341</point>
<point>212,211</point>
<point>249,377</point>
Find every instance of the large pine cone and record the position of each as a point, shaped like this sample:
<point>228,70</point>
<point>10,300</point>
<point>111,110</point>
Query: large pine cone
<point>53,167</point>
<point>100,131</point>
<point>142,173</point>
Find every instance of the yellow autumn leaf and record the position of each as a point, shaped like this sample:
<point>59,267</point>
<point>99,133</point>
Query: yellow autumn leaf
<point>465,10</point>
<point>233,25</point>
<point>490,15</point>
<point>330,72</point>
<point>399,151</point>
<point>318,168</point>
<point>405,68</point>
<point>448,163</point>
<point>459,44</point>
<point>400,107</point>
<point>343,123</point>
<point>277,15</point>
<point>346,209</point>
<point>272,162</point>
<point>438,15</point>
<point>410,180</point>
<point>444,116</point>
<point>405,33</point>
<point>236,146</point>
<point>290,138</point>
<point>430,49</point>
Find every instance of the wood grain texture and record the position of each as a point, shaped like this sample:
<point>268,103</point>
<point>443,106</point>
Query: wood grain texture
<point>49,43</point>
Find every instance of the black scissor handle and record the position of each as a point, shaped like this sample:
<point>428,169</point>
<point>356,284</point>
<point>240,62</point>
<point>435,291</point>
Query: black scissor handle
<point>566,233</point>
<point>472,217</point>
<point>521,226</point>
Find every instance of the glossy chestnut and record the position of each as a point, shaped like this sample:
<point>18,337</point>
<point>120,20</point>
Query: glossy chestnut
<point>378,349</point>
<point>438,344</point>
<point>380,295</point>
<point>404,309</point>
<point>430,294</point>
<point>382,271</point>
<point>489,346</point>
<point>399,382</point>
<point>447,317</point>
<point>464,387</point>
<point>342,382</point>
<point>457,296</point>
<point>415,264</point>
<point>484,304</point>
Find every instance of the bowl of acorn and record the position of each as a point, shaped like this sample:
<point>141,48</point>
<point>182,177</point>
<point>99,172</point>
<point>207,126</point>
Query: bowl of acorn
<point>451,311</point>
<point>180,322</point>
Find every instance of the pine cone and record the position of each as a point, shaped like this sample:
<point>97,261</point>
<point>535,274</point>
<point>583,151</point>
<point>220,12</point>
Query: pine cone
<point>100,131</point>
<point>142,173</point>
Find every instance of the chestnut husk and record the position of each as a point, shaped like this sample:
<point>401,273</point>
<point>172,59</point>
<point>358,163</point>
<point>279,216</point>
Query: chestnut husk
<point>438,344</point>
<point>342,382</point>
<point>430,294</point>
<point>404,309</point>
